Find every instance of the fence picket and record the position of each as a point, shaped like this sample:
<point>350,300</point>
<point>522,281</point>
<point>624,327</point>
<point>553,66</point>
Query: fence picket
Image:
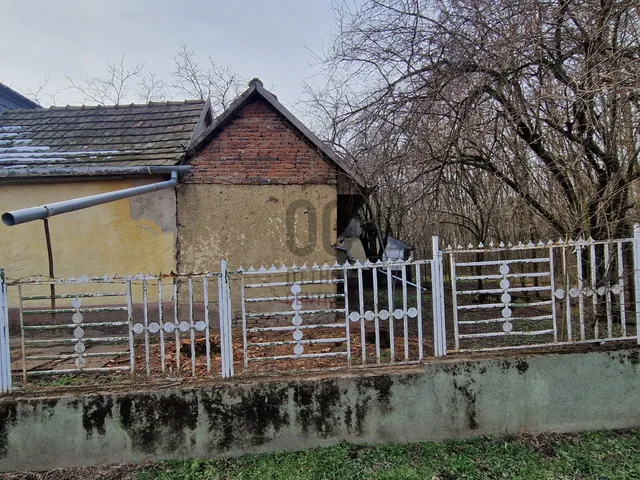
<point>5,358</point>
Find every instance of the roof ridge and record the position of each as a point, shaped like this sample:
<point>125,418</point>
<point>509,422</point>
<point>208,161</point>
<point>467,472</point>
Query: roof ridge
<point>123,105</point>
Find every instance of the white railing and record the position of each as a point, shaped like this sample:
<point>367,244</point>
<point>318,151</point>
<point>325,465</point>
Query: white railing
<point>496,297</point>
<point>141,325</point>
<point>544,294</point>
<point>5,360</point>
<point>370,313</point>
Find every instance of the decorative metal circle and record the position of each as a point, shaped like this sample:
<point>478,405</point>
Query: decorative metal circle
<point>384,315</point>
<point>200,326</point>
<point>506,312</point>
<point>354,316</point>
<point>559,293</point>
<point>296,305</point>
<point>154,327</point>
<point>297,335</point>
<point>169,327</point>
<point>298,349</point>
<point>504,284</point>
<point>184,326</point>
<point>79,348</point>
<point>138,328</point>
<point>412,312</point>
<point>77,317</point>
<point>504,269</point>
<point>78,332</point>
<point>506,298</point>
<point>295,289</point>
<point>507,327</point>
<point>574,293</point>
<point>368,315</point>
<point>616,289</point>
<point>296,320</point>
<point>76,302</point>
<point>80,362</point>
<point>601,290</point>
<point>398,314</point>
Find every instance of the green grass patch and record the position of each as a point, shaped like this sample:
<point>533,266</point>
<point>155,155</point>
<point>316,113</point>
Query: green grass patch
<point>597,455</point>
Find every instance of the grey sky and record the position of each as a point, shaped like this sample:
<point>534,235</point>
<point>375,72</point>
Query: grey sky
<point>268,39</point>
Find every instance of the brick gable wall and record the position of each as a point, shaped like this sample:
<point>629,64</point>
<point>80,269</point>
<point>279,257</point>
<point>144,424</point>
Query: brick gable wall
<point>259,148</point>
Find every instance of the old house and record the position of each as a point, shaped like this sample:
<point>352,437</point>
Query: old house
<point>255,186</point>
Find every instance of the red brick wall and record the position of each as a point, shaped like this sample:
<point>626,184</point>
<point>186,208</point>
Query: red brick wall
<point>259,148</point>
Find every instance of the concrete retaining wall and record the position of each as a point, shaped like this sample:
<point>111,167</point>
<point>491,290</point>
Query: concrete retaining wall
<point>569,392</point>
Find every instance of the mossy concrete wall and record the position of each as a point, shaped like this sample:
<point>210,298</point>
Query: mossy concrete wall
<point>458,399</point>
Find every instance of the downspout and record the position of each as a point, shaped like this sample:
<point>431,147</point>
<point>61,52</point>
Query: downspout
<point>52,287</point>
<point>41,212</point>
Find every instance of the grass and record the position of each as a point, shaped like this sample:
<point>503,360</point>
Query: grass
<point>592,455</point>
<point>597,455</point>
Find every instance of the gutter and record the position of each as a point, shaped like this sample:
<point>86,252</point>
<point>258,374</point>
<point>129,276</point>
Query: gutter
<point>41,212</point>
<point>93,171</point>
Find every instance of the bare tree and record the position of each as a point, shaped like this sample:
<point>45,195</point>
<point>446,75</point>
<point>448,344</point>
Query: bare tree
<point>152,88</point>
<point>218,82</point>
<point>189,79</point>
<point>111,88</point>
<point>42,95</point>
<point>541,96</point>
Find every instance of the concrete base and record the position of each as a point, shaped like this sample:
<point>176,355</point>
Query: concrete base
<point>453,399</point>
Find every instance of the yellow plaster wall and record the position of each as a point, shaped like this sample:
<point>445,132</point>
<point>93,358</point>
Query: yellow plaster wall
<point>247,225</point>
<point>124,237</point>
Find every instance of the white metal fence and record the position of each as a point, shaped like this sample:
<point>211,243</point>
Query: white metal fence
<point>140,325</point>
<point>5,360</point>
<point>367,314</point>
<point>484,298</point>
<point>545,294</point>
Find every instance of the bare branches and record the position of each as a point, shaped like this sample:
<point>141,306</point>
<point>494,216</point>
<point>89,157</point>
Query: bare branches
<point>214,81</point>
<point>111,88</point>
<point>152,88</point>
<point>189,79</point>
<point>540,97</point>
<point>43,95</point>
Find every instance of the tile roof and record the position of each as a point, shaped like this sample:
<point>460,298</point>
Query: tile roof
<point>11,100</point>
<point>120,135</point>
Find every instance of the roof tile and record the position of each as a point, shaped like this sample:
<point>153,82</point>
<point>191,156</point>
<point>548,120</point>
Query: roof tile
<point>152,134</point>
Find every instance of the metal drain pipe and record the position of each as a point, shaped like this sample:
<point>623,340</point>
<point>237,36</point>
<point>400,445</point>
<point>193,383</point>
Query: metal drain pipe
<point>45,211</point>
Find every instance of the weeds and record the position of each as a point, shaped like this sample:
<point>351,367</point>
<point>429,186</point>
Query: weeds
<point>597,455</point>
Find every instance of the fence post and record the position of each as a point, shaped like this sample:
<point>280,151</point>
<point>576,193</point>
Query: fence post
<point>437,291</point>
<point>224,312</point>
<point>636,276</point>
<point>5,359</point>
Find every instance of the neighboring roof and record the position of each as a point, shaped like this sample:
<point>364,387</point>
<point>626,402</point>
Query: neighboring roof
<point>394,243</point>
<point>256,88</point>
<point>12,100</point>
<point>121,135</point>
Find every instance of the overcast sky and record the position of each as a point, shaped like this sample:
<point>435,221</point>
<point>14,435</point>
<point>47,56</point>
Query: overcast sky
<point>270,39</point>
